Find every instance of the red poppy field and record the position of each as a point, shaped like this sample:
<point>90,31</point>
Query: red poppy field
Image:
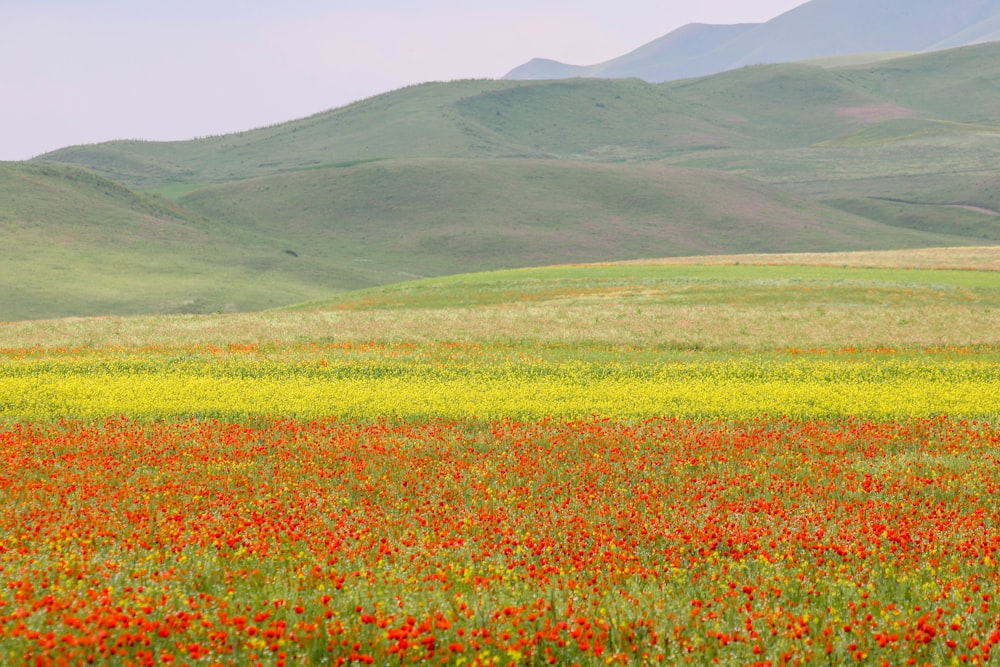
<point>596,541</point>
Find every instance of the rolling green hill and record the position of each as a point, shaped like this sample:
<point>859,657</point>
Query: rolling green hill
<point>418,121</point>
<point>755,109</point>
<point>455,177</point>
<point>86,245</point>
<point>77,244</point>
<point>403,218</point>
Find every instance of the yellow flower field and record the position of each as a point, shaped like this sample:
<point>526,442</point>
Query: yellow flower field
<point>165,385</point>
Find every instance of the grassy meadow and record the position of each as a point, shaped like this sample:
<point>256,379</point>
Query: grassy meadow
<point>908,299</point>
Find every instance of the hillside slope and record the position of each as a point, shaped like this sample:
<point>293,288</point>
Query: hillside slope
<point>417,121</point>
<point>82,245</point>
<point>78,244</point>
<point>437,216</point>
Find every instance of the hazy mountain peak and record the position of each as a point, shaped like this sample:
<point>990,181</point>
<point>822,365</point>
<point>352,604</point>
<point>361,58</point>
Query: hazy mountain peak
<point>815,29</point>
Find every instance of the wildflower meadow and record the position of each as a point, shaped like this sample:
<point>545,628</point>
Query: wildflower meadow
<point>485,503</point>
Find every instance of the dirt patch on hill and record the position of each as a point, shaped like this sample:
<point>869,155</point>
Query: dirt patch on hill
<point>978,209</point>
<point>872,113</point>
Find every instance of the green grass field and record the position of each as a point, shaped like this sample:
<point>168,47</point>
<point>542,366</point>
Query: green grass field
<point>812,301</point>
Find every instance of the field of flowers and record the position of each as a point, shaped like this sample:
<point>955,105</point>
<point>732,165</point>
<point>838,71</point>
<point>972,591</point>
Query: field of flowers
<point>466,504</point>
<point>493,382</point>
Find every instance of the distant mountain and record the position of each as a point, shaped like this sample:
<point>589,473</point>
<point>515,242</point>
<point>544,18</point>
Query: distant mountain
<point>816,29</point>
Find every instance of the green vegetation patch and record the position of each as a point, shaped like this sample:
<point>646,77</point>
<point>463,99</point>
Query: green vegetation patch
<point>683,284</point>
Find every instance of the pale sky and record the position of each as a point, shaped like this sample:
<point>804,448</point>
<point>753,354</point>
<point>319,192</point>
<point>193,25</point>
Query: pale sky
<point>84,71</point>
